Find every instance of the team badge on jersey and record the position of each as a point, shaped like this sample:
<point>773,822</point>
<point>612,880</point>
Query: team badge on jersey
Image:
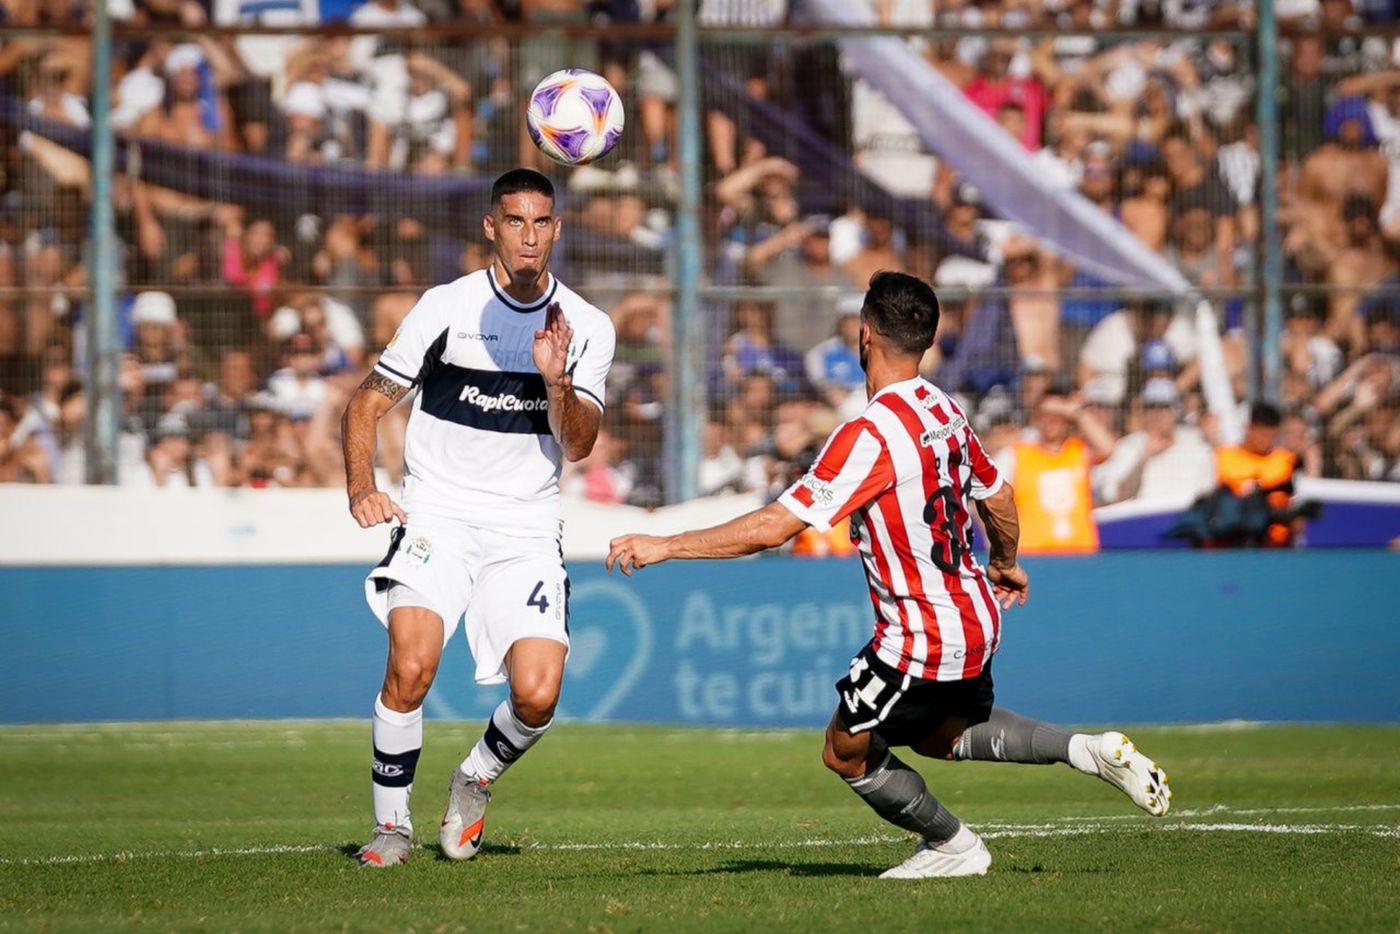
<point>420,550</point>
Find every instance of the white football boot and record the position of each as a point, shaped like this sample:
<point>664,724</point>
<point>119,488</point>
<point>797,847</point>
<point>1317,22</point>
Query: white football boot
<point>942,861</point>
<point>464,824</point>
<point>390,846</point>
<point>1128,769</point>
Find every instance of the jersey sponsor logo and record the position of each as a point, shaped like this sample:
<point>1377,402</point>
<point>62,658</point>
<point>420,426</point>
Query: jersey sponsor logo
<point>487,400</point>
<point>942,432</point>
<point>503,402</point>
<point>823,493</point>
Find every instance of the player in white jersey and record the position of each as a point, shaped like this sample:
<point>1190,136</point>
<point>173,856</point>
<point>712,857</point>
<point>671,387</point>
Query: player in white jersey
<point>906,472</point>
<point>508,366</point>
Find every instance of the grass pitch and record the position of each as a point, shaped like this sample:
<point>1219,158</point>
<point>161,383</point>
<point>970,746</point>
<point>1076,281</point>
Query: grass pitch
<point>249,826</point>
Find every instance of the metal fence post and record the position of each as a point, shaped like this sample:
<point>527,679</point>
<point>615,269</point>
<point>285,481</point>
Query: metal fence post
<point>103,341</point>
<point>1272,267</point>
<point>686,403</point>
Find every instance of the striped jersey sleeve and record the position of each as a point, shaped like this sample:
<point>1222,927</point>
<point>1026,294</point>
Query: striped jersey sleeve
<point>852,470</point>
<point>986,477</point>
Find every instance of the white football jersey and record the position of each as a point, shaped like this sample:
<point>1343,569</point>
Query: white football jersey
<point>478,446</point>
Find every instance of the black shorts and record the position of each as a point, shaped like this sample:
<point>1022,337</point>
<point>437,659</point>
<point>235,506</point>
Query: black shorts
<point>903,710</point>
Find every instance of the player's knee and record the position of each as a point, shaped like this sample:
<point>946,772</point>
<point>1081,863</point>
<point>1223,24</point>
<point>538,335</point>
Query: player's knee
<point>410,677</point>
<point>534,703</point>
<point>845,767</point>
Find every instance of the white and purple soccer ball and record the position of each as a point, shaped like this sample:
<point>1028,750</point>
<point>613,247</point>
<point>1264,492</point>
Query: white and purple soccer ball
<point>575,116</point>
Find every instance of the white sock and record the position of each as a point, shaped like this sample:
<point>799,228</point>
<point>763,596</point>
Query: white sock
<point>960,842</point>
<point>1079,755</point>
<point>506,739</point>
<point>398,739</point>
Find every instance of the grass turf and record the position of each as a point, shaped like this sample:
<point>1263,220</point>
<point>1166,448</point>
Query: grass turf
<point>250,826</point>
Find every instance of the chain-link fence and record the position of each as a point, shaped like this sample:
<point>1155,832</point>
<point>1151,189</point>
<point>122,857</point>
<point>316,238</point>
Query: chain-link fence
<point>286,187</point>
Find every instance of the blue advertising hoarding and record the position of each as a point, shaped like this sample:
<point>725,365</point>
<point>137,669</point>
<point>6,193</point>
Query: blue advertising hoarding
<point>1131,637</point>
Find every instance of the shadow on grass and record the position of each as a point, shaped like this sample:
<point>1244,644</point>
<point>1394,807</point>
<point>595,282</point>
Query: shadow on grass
<point>772,865</point>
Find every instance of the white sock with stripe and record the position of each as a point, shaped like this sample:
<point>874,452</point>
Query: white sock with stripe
<point>398,740</point>
<point>506,739</point>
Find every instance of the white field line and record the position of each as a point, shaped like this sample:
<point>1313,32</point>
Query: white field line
<point>989,832</point>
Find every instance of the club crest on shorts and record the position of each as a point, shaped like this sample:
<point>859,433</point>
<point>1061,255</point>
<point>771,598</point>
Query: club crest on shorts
<point>420,550</point>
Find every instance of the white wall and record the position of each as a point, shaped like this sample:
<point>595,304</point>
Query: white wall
<point>114,525</point>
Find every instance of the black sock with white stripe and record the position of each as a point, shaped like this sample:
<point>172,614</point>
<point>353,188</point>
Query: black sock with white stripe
<point>506,739</point>
<point>398,741</point>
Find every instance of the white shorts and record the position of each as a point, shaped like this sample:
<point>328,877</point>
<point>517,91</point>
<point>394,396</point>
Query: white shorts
<point>508,587</point>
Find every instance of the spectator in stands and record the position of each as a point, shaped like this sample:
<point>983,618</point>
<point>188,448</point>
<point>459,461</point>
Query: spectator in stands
<point>1162,461</point>
<point>1033,305</point>
<point>1348,163</point>
<point>879,251</point>
<point>53,100</point>
<point>253,261</point>
<point>1307,352</point>
<point>159,339</point>
<point>800,255</point>
<point>603,476</point>
<point>1050,470</point>
<point>754,347</point>
<point>1202,231</point>
<point>297,388</point>
<point>995,86</point>
<point>1304,96</point>
<point>833,366</point>
<point>721,467</point>
<point>172,458</point>
<point>1117,340</point>
<point>270,457</point>
<point>330,325</point>
<point>227,409</point>
<point>425,126</point>
<point>1145,208</point>
<point>142,89</point>
<point>322,111</point>
<point>261,59</point>
<point>384,15</point>
<point>195,112</point>
<point>1298,435</point>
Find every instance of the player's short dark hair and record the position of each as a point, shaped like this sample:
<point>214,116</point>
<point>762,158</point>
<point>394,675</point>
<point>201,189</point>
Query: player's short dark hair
<point>1266,414</point>
<point>903,310</point>
<point>521,180</point>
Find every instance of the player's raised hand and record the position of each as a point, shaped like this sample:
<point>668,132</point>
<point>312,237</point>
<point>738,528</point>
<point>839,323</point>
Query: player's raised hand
<point>627,552</point>
<point>1010,585</point>
<point>551,347</point>
<point>372,507</point>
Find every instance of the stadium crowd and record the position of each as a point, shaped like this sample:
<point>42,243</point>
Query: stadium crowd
<point>246,328</point>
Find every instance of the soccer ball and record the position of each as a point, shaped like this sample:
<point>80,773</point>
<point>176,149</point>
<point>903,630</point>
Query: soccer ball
<point>574,116</point>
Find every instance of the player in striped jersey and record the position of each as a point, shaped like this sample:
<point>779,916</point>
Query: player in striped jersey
<point>906,473</point>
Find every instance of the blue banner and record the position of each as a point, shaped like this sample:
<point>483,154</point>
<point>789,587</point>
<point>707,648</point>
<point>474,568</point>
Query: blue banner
<point>1133,637</point>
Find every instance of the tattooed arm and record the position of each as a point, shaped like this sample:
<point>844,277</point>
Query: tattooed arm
<point>359,428</point>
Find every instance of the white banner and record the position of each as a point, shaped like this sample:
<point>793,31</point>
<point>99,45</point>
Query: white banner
<point>68,525</point>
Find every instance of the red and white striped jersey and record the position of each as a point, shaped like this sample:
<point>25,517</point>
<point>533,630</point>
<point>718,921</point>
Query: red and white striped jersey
<point>904,472</point>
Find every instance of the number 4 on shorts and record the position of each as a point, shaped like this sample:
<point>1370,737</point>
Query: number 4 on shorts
<point>537,598</point>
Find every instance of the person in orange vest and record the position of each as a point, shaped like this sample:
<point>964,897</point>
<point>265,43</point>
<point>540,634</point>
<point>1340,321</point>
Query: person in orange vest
<point>1259,464</point>
<point>1050,473</point>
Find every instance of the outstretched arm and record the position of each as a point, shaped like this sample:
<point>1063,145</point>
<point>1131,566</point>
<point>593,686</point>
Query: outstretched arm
<point>1010,584</point>
<point>755,531</point>
<point>359,428</point>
